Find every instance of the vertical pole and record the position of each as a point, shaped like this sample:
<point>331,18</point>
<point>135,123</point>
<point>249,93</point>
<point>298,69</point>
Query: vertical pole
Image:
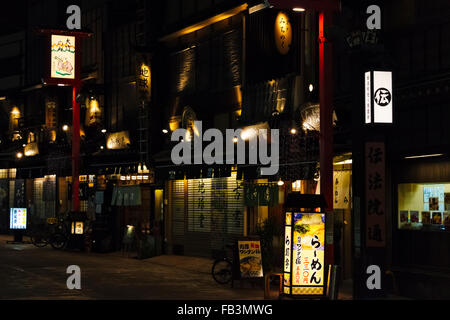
<point>326,119</point>
<point>75,148</point>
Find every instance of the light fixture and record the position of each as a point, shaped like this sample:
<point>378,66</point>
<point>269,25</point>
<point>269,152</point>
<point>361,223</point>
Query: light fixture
<point>19,155</point>
<point>61,85</point>
<point>2,98</point>
<point>298,9</point>
<point>344,162</point>
<point>425,156</point>
<point>102,147</point>
<point>280,183</point>
<point>235,139</point>
<point>65,127</point>
<point>311,88</point>
<point>104,131</point>
<point>293,131</point>
<point>297,186</point>
<point>24,145</point>
<point>310,116</point>
<point>165,131</point>
<point>317,175</point>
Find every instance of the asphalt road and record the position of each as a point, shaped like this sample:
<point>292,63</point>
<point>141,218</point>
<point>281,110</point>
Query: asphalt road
<point>27,272</point>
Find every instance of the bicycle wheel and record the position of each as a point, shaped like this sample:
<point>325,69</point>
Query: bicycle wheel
<point>39,239</point>
<point>58,241</point>
<point>222,271</point>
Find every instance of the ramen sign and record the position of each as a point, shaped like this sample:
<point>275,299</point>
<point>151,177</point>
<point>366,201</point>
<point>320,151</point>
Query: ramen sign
<point>304,254</point>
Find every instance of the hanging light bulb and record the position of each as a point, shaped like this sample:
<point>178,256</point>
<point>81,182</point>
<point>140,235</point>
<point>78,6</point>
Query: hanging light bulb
<point>280,183</point>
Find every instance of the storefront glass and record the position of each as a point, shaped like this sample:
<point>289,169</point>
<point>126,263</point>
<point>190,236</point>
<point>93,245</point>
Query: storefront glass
<point>424,206</point>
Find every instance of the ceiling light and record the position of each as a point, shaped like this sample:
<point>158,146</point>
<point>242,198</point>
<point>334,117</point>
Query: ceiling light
<point>425,156</point>
<point>298,9</point>
<point>344,162</point>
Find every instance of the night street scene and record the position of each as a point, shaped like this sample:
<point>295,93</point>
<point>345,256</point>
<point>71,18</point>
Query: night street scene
<point>261,153</point>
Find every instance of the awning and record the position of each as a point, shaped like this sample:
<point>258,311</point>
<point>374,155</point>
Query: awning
<point>126,196</point>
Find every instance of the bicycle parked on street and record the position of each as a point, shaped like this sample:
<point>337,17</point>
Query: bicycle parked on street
<point>53,231</point>
<point>223,269</point>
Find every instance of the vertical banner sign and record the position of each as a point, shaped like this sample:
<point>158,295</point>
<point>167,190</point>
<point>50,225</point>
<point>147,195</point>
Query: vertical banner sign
<point>375,194</point>
<point>342,197</point>
<point>287,254</point>
<point>62,57</point>
<point>305,243</point>
<point>250,260</point>
<point>378,97</point>
<point>368,97</point>
<point>144,82</point>
<point>19,193</point>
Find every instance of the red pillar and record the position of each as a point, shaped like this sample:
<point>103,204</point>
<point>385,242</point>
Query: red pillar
<point>326,117</point>
<point>75,149</point>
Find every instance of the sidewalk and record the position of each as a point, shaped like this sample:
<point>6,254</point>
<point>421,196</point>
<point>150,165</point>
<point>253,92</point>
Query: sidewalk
<point>116,275</point>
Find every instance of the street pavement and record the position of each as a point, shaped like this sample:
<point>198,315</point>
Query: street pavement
<point>31,273</point>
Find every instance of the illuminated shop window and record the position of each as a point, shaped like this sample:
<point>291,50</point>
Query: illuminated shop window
<point>424,206</point>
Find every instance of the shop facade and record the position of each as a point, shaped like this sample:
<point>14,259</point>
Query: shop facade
<point>420,227</point>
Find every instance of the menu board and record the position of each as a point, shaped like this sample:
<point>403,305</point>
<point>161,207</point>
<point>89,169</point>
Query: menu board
<point>18,219</point>
<point>250,260</point>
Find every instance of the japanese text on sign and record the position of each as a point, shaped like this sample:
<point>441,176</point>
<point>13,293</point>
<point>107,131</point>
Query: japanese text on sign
<point>375,195</point>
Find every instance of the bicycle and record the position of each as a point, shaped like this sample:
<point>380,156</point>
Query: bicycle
<point>53,232</point>
<point>222,270</point>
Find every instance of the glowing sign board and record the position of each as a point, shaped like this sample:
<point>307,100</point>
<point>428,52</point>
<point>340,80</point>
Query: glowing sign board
<point>144,82</point>
<point>378,97</point>
<point>304,262</point>
<point>250,260</point>
<point>283,33</point>
<point>18,219</point>
<point>62,57</point>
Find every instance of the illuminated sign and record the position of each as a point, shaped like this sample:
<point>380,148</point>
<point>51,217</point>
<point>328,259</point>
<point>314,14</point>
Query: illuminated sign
<point>250,260</point>
<point>283,33</point>
<point>77,227</point>
<point>62,57</point>
<point>304,254</point>
<point>144,82</point>
<point>378,97</point>
<point>18,219</point>
<point>118,140</point>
